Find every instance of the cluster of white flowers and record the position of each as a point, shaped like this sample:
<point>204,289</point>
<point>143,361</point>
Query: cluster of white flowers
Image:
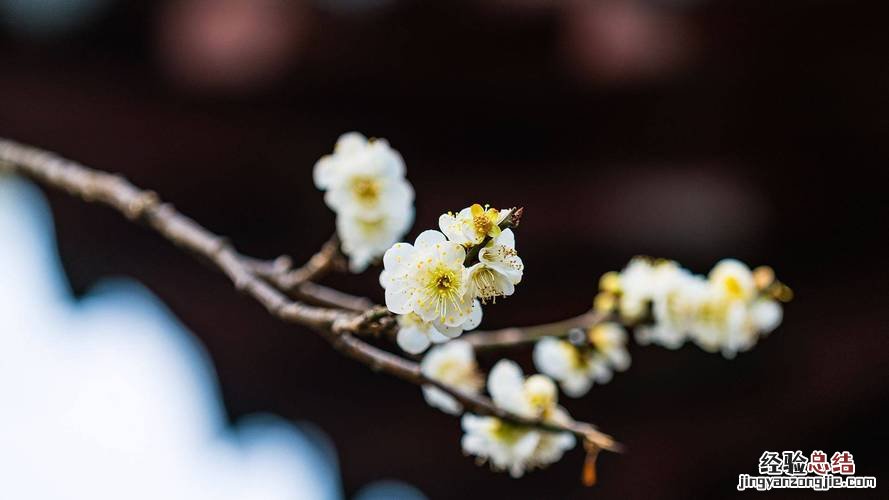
<point>364,184</point>
<point>453,364</point>
<point>577,367</point>
<point>511,447</point>
<point>437,284</point>
<point>436,287</point>
<point>726,311</point>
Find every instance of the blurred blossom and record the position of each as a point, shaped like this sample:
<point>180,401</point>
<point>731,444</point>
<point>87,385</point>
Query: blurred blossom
<point>108,397</point>
<point>621,40</point>
<point>230,45</point>
<point>48,18</point>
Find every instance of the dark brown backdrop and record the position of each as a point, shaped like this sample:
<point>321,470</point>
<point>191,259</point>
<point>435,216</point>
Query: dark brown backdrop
<point>764,139</point>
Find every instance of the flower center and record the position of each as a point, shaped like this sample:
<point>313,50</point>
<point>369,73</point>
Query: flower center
<point>366,189</point>
<point>508,433</point>
<point>443,287</point>
<point>733,287</point>
<point>482,223</point>
<point>458,374</point>
<point>540,401</point>
<point>485,284</point>
<point>371,227</point>
<point>443,282</point>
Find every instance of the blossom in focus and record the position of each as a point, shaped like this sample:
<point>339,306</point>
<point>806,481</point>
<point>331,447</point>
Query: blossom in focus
<point>727,311</point>
<point>472,225</point>
<point>437,285</point>
<point>576,368</point>
<point>511,447</point>
<point>498,270</point>
<point>364,184</point>
<point>415,334</point>
<point>453,364</point>
<point>428,278</point>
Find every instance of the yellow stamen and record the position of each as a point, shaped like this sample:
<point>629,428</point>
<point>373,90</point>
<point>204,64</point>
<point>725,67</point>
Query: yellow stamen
<point>733,287</point>
<point>443,286</point>
<point>366,189</point>
<point>485,221</point>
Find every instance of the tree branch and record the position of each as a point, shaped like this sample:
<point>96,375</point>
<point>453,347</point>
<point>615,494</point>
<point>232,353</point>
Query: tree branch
<point>338,326</point>
<point>280,273</point>
<point>298,282</point>
<point>512,336</point>
<point>381,360</point>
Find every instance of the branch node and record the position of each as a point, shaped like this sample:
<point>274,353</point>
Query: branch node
<point>137,207</point>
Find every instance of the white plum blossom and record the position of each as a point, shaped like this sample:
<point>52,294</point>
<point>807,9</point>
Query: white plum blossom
<point>364,240</point>
<point>453,364</point>
<point>577,368</point>
<point>437,285</point>
<point>498,270</point>
<point>364,184</point>
<point>363,177</point>
<point>732,280</point>
<point>504,446</point>
<point>534,397</point>
<point>766,315</point>
<point>641,282</point>
<point>472,225</point>
<point>726,312</point>
<point>510,447</point>
<point>428,278</point>
<point>567,364</point>
<point>676,310</point>
<point>415,334</point>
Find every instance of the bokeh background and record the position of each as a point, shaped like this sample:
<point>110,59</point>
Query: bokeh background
<point>688,129</point>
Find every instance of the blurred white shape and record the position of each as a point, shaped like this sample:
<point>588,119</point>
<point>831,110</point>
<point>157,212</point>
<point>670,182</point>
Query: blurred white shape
<point>389,490</point>
<point>111,398</point>
<point>48,18</point>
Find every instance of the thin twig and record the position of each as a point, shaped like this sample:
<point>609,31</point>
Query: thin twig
<point>384,361</point>
<point>335,325</point>
<point>298,282</point>
<point>332,297</point>
<point>280,273</point>
<point>512,336</point>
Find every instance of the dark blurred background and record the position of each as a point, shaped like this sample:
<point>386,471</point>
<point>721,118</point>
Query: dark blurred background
<point>689,129</point>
